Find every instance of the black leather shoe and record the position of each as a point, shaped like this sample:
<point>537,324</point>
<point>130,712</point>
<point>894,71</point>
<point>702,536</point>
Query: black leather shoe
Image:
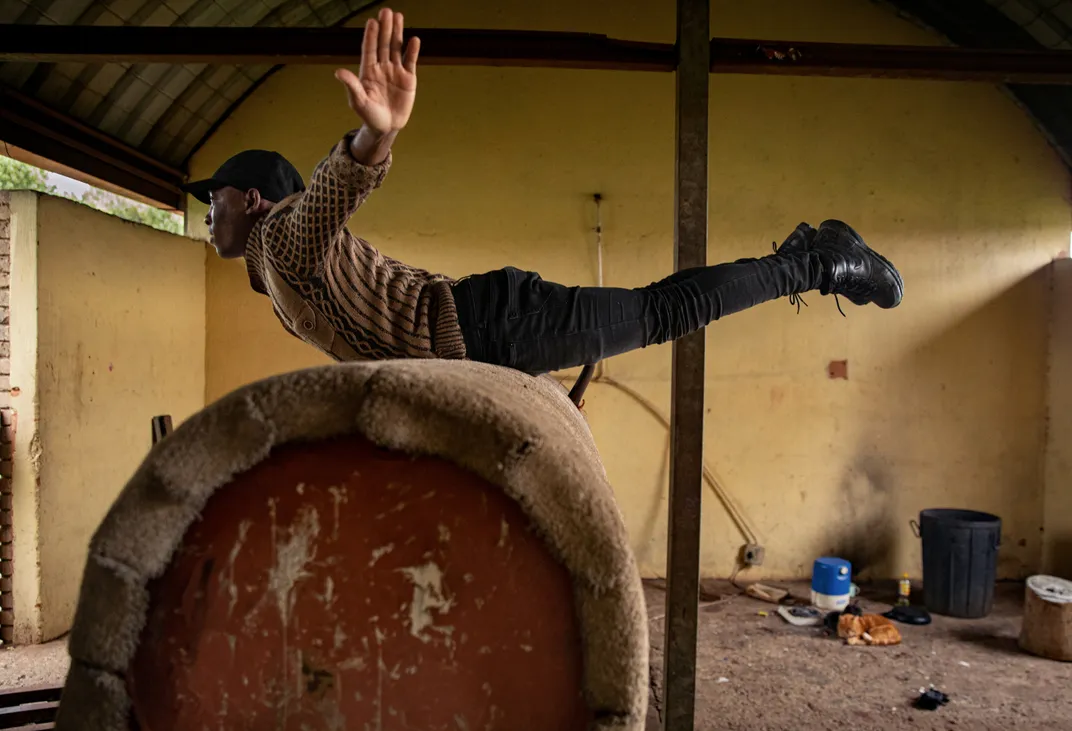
<point>798,241</point>
<point>851,269</point>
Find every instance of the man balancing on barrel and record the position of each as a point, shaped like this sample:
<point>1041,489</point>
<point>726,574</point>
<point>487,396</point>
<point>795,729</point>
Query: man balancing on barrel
<point>340,294</point>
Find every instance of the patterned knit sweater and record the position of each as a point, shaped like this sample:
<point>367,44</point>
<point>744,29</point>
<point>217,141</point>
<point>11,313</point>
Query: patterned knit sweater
<point>381,307</point>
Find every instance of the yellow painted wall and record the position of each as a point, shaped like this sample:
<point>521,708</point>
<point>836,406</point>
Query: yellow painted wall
<point>945,403</point>
<point>26,583</point>
<point>120,339</point>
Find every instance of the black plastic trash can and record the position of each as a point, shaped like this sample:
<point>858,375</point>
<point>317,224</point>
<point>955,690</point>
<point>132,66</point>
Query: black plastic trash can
<point>960,559</point>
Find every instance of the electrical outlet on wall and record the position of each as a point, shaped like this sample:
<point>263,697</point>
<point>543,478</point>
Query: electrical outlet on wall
<point>752,554</point>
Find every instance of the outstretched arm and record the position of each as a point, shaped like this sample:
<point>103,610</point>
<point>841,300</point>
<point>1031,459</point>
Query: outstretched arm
<point>382,95</point>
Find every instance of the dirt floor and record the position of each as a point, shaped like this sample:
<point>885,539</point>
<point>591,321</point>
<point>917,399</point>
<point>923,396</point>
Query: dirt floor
<point>33,665</point>
<point>759,673</point>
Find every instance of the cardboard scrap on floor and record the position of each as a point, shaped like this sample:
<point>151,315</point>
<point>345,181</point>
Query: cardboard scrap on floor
<point>766,593</point>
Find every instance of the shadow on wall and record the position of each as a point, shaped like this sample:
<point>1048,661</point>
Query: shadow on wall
<point>1057,516</point>
<point>958,422</point>
<point>1061,557</point>
<point>868,536</point>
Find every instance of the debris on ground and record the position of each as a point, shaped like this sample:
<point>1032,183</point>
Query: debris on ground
<point>766,593</point>
<point>930,699</point>
<point>801,616</point>
<point>711,590</point>
<point>1004,690</point>
<point>909,615</point>
<point>717,590</point>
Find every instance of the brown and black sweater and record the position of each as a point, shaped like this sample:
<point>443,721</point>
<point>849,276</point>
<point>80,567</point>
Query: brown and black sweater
<point>333,289</point>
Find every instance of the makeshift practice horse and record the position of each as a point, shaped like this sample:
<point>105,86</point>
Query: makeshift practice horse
<point>405,544</point>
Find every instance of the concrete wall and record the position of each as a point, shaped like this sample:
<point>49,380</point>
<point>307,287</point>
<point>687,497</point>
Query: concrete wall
<point>26,488</point>
<point>945,400</point>
<point>119,319</point>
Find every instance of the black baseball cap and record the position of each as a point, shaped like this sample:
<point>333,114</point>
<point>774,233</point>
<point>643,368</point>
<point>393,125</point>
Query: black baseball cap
<point>269,172</point>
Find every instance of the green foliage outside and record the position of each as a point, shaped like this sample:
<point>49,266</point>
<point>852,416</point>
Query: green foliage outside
<point>132,211</point>
<point>15,175</point>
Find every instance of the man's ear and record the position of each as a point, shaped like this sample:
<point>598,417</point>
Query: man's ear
<point>253,200</point>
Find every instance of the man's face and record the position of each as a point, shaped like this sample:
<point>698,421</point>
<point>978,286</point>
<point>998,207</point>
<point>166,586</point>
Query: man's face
<point>229,222</point>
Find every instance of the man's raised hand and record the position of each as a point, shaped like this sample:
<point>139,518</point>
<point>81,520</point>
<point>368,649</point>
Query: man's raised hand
<point>383,91</point>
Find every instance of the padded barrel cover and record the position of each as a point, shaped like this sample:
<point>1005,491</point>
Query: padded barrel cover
<point>519,433</point>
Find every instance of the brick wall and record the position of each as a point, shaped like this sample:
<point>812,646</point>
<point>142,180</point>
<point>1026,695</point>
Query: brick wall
<point>5,298</point>
<point>7,446</point>
<point>7,421</point>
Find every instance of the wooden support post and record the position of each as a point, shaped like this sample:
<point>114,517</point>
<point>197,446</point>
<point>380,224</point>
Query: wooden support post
<point>687,384</point>
<point>161,427</point>
<point>576,393</point>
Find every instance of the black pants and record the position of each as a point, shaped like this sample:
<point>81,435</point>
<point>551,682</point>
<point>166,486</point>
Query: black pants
<point>516,319</point>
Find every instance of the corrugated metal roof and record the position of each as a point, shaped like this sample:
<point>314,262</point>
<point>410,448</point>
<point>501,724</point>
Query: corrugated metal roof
<point>1047,21</point>
<point>1009,24</point>
<point>167,111</point>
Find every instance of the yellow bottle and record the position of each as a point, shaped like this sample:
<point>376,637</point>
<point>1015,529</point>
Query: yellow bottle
<point>904,588</point>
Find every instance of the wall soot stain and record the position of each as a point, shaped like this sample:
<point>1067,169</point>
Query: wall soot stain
<point>868,534</point>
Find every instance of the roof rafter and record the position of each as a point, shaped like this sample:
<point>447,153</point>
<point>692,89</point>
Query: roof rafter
<point>330,46</point>
<point>23,120</point>
<point>30,125</point>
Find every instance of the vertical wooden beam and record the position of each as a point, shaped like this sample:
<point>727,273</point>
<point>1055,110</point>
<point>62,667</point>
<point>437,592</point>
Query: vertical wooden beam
<point>687,385</point>
<point>161,427</point>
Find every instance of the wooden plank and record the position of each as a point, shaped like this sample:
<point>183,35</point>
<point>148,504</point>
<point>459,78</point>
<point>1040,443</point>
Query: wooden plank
<point>161,426</point>
<point>445,46</point>
<point>332,46</point>
<point>939,63</point>
<point>31,694</point>
<point>28,713</point>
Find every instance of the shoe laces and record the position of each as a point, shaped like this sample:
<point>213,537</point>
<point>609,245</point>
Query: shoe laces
<point>796,299</point>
